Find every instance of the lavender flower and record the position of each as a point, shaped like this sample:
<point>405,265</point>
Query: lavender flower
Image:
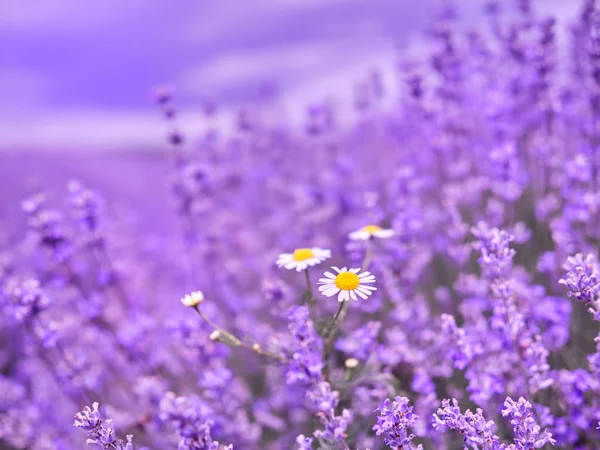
<point>306,364</point>
<point>47,227</point>
<point>100,431</point>
<point>86,204</point>
<point>88,418</point>
<point>462,351</point>
<point>325,402</point>
<point>360,343</point>
<point>28,300</point>
<point>304,443</point>
<point>527,433</point>
<point>496,255</point>
<point>476,431</point>
<point>394,419</point>
<point>581,280</point>
<point>493,130</point>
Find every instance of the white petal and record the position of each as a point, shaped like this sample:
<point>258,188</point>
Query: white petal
<point>384,233</point>
<point>336,269</point>
<point>283,261</point>
<point>329,275</point>
<point>367,288</point>
<point>367,280</point>
<point>359,235</point>
<point>364,291</point>
<point>361,294</point>
<point>354,271</point>
<point>344,269</point>
<point>325,281</point>
<point>364,274</point>
<point>353,295</point>
<point>331,291</point>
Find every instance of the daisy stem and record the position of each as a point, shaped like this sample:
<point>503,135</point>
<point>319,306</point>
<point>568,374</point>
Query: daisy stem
<point>259,351</point>
<point>206,319</point>
<point>368,256</point>
<point>237,342</point>
<point>333,324</point>
<point>309,294</point>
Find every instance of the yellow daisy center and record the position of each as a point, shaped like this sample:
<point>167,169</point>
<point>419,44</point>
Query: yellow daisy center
<point>347,281</point>
<point>371,229</point>
<point>302,254</point>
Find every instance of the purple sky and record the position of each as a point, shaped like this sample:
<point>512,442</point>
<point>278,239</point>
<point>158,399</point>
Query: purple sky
<point>77,73</point>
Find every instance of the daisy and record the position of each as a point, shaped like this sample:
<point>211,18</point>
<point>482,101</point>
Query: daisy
<point>370,231</point>
<point>303,258</point>
<point>193,299</point>
<point>349,284</point>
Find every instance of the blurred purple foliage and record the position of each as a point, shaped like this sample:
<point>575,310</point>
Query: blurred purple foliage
<point>472,205</point>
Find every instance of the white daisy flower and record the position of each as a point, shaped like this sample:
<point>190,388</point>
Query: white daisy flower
<point>303,258</point>
<point>349,284</point>
<point>369,231</point>
<point>193,299</point>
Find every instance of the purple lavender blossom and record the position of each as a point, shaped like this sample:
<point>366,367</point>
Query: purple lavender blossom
<point>483,158</point>
<point>476,431</point>
<point>360,343</point>
<point>189,416</point>
<point>325,402</point>
<point>27,300</point>
<point>527,434</point>
<point>304,443</point>
<point>306,364</point>
<point>462,351</point>
<point>394,419</point>
<point>496,255</point>
<point>47,227</point>
<point>581,280</point>
<point>100,431</point>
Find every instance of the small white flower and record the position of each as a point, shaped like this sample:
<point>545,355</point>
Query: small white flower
<point>369,231</point>
<point>351,363</point>
<point>303,258</point>
<point>349,284</point>
<point>193,299</point>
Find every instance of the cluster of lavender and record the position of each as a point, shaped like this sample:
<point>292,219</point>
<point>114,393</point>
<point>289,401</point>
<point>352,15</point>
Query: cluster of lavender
<point>463,311</point>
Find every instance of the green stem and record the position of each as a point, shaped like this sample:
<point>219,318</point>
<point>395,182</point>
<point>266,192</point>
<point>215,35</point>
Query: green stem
<point>333,323</point>
<point>309,298</point>
<point>206,319</point>
<point>368,256</point>
<point>364,266</point>
<point>234,341</point>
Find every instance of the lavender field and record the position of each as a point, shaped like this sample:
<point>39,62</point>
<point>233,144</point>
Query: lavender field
<point>411,266</point>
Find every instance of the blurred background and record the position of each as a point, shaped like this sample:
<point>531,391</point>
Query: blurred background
<point>76,78</point>
<point>78,75</point>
